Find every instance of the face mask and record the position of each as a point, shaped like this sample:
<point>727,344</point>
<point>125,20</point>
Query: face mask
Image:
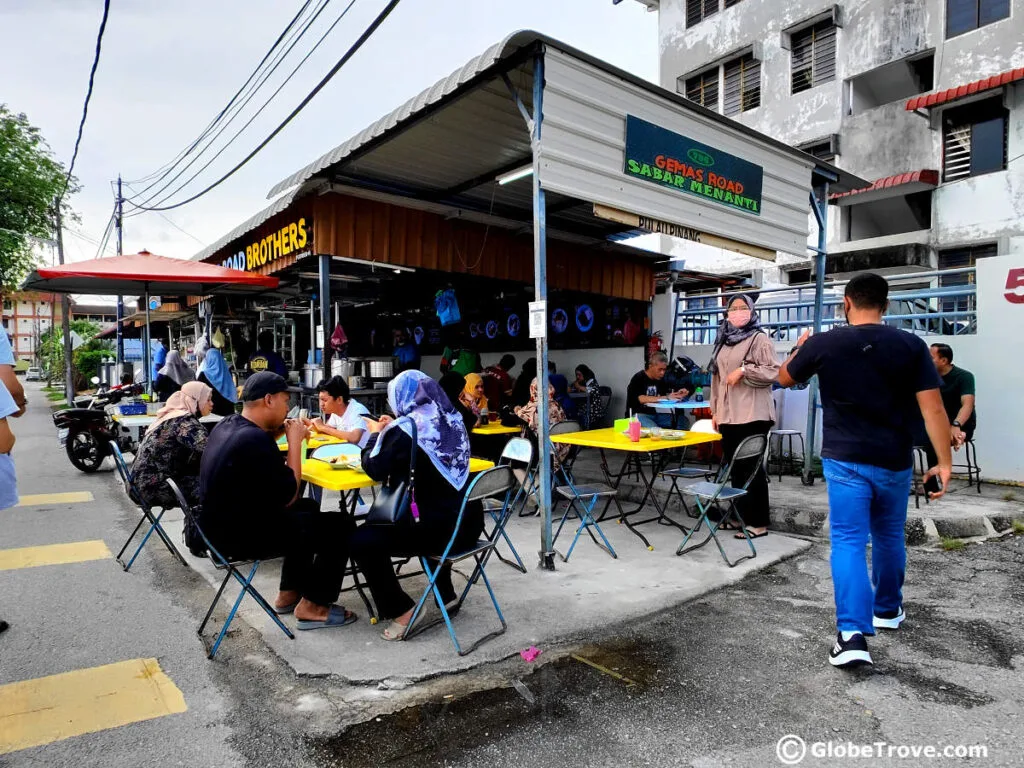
<point>739,319</point>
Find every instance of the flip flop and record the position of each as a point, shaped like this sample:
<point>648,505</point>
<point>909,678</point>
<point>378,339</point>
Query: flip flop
<point>750,533</point>
<point>286,609</point>
<point>729,527</point>
<point>336,617</point>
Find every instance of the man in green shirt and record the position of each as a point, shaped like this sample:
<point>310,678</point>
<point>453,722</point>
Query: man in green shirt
<point>958,398</point>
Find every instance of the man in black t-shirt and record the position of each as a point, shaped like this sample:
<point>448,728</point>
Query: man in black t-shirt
<point>876,384</point>
<point>958,399</point>
<point>251,507</point>
<point>649,386</point>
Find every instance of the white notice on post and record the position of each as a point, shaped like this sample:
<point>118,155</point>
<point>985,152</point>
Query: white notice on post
<point>538,319</point>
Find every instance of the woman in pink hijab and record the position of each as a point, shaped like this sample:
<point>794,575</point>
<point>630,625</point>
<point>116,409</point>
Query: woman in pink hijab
<point>173,447</point>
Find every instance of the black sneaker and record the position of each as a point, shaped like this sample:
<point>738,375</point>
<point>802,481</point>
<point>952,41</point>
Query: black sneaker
<point>849,653</point>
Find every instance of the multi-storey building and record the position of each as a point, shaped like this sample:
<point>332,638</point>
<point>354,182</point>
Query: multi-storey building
<point>923,97</point>
<point>27,315</point>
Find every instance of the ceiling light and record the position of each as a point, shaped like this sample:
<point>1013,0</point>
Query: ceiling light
<point>518,173</point>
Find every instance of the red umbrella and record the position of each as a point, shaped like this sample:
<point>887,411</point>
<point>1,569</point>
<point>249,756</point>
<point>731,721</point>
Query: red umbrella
<point>143,273</point>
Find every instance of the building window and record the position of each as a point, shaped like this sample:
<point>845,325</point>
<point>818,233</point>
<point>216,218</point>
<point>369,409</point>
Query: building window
<point>731,3</point>
<point>958,258</point>
<point>814,56</point>
<point>698,10</point>
<point>703,88</point>
<point>742,84</point>
<point>8,305</point>
<point>965,15</point>
<point>824,149</point>
<point>974,139</point>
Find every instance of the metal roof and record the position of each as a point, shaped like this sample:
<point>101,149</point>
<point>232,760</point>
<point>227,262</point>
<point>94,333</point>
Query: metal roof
<point>978,86</point>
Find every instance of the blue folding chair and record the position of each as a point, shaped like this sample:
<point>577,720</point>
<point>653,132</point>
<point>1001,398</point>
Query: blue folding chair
<point>580,500</point>
<point>518,454</point>
<point>147,514</point>
<point>711,494</point>
<point>221,563</point>
<point>497,482</point>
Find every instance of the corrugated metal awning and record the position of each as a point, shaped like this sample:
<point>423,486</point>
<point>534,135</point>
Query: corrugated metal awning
<point>978,86</point>
<point>889,186</point>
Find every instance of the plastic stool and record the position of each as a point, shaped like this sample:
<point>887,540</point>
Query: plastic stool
<point>787,462</point>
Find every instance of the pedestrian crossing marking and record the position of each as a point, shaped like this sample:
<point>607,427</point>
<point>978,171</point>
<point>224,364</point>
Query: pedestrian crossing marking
<point>74,497</point>
<point>53,554</point>
<point>47,709</point>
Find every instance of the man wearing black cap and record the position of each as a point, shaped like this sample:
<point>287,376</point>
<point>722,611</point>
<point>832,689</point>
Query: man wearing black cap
<point>251,507</point>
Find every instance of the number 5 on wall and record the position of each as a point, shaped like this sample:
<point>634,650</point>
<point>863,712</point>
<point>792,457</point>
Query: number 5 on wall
<point>1014,283</point>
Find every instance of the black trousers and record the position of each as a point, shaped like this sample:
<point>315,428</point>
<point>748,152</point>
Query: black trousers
<point>315,546</point>
<point>932,485</point>
<point>753,507</point>
<point>373,546</point>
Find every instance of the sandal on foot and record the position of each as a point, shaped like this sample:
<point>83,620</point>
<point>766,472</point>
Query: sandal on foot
<point>727,526</point>
<point>394,631</point>
<point>285,610</point>
<point>336,617</point>
<point>749,533</point>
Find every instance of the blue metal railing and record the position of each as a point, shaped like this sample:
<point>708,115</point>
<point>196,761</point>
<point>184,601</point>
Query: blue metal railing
<point>786,312</point>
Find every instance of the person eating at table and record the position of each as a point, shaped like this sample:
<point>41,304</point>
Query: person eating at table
<point>648,387</point>
<point>452,384</point>
<point>442,473</point>
<point>528,413</point>
<point>473,394</point>
<point>251,507</point>
<point>343,416</point>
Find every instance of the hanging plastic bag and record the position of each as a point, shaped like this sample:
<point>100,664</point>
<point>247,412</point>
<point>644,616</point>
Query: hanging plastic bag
<point>218,338</point>
<point>339,341</point>
<point>447,307</point>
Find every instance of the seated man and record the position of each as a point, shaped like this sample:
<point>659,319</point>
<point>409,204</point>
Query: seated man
<point>251,507</point>
<point>265,358</point>
<point>958,398</point>
<point>649,386</point>
<point>343,416</point>
<point>498,381</point>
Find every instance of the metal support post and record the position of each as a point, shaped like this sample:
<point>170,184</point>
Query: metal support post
<point>65,305</point>
<point>819,206</point>
<point>147,352</point>
<point>540,289</point>
<point>119,221</point>
<point>325,311</point>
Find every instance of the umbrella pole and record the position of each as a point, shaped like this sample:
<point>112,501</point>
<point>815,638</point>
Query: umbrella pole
<point>146,352</point>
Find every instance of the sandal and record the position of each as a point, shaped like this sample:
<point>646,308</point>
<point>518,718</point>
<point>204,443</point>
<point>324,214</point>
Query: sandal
<point>727,526</point>
<point>394,631</point>
<point>336,617</point>
<point>746,532</point>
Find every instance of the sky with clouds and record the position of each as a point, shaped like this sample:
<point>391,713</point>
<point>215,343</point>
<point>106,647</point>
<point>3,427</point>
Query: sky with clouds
<point>167,69</point>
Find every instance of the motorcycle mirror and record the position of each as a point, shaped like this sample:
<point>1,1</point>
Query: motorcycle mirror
<point>95,379</point>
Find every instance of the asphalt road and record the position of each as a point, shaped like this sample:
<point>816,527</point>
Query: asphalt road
<point>715,682</point>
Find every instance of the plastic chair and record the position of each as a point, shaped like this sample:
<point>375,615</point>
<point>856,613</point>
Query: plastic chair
<point>221,563</point>
<point>710,494</point>
<point>496,482</point>
<point>517,451</point>
<point>147,514</point>
<point>580,499</point>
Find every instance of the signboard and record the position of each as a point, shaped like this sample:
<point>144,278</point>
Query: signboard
<point>538,319</point>
<point>154,303</point>
<point>659,227</point>
<point>670,159</point>
<point>292,238</point>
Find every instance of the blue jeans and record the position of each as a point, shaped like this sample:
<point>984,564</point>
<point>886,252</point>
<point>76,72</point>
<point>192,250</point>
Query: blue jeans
<point>866,501</point>
<point>647,421</point>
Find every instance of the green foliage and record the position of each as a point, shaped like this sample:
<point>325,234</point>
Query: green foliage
<point>30,182</point>
<point>953,545</point>
<point>1018,527</point>
<point>86,359</point>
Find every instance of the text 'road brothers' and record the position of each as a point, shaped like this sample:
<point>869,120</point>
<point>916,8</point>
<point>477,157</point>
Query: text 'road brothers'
<point>287,240</point>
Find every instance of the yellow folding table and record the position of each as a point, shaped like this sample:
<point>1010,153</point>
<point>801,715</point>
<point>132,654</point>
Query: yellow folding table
<point>324,475</point>
<point>496,428</point>
<point>610,439</point>
<point>314,441</point>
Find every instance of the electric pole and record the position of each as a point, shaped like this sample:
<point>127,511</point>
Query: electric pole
<point>65,303</point>
<point>120,299</point>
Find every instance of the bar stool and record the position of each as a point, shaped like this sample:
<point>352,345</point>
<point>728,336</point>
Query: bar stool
<point>785,461</point>
<point>971,464</point>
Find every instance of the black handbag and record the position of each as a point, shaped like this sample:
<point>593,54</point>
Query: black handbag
<point>392,505</point>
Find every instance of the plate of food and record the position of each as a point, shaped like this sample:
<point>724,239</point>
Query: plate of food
<point>672,434</point>
<point>345,462</point>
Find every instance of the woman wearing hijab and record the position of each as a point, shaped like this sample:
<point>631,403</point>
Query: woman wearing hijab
<point>442,474</point>
<point>521,389</point>
<point>473,394</point>
<point>452,384</point>
<point>214,372</point>
<point>586,381</point>
<point>173,447</point>
<point>743,368</point>
<point>528,413</point>
<point>173,376</point>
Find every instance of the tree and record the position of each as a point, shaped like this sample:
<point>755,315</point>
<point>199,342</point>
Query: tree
<point>31,181</point>
<point>85,360</point>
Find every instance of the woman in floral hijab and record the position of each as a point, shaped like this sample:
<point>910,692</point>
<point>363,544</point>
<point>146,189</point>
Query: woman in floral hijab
<point>556,415</point>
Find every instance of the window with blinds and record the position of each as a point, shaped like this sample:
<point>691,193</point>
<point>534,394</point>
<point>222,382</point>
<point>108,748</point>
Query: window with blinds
<point>974,139</point>
<point>731,3</point>
<point>742,84</point>
<point>956,259</point>
<point>965,15</point>
<point>698,10</point>
<point>703,88</point>
<point>814,56</point>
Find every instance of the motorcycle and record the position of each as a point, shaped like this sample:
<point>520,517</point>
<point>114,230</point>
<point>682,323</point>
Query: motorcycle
<point>86,432</point>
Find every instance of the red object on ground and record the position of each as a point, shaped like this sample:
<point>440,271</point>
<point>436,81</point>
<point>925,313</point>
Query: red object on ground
<point>530,654</point>
<point>978,86</point>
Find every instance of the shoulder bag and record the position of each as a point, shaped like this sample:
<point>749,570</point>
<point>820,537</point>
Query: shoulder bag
<point>394,504</point>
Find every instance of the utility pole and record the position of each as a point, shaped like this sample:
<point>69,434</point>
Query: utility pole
<point>120,299</point>
<point>65,303</point>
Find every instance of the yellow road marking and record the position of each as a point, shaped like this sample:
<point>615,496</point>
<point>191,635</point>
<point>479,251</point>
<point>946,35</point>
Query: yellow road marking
<point>48,709</point>
<point>73,497</point>
<point>605,670</point>
<point>53,554</point>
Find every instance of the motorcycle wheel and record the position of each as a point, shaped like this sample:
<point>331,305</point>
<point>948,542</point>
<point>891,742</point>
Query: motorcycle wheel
<point>84,451</point>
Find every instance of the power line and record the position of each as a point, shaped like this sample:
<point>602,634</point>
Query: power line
<point>173,224</point>
<point>277,63</point>
<point>88,95</point>
<point>302,105</point>
<point>167,167</point>
<point>257,114</point>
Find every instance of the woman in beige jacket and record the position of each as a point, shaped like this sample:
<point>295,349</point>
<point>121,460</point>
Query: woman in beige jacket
<point>743,367</point>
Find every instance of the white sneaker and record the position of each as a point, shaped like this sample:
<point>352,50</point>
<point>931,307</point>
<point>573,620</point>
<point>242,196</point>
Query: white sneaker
<point>893,623</point>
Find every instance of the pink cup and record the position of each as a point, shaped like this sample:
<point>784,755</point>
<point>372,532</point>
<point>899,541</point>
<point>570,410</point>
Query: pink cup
<point>634,431</point>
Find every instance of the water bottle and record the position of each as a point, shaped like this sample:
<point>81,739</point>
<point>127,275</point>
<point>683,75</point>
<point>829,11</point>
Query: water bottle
<point>698,396</point>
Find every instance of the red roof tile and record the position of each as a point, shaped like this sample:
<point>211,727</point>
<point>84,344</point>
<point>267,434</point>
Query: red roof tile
<point>923,176</point>
<point>978,86</point>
